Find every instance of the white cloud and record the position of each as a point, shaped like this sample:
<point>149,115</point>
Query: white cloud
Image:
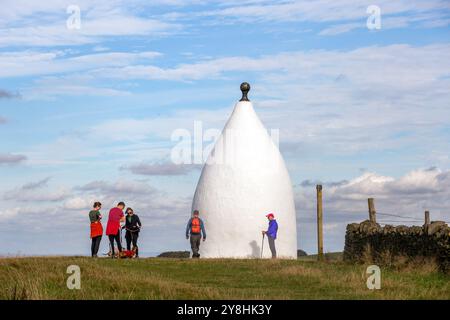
<point>398,201</point>
<point>32,63</point>
<point>45,24</point>
<point>368,89</point>
<point>312,65</point>
<point>143,129</point>
<point>354,75</point>
<point>349,14</point>
<point>9,212</point>
<point>44,90</point>
<point>408,196</point>
<point>340,28</point>
<point>32,195</point>
<point>78,203</point>
<point>36,191</point>
<point>100,49</point>
<point>381,103</point>
<point>344,202</point>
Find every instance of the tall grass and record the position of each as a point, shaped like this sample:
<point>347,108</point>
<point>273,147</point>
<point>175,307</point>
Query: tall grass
<point>155,278</point>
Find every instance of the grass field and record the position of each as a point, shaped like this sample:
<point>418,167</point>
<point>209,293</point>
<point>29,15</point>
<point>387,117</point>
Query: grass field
<point>159,278</point>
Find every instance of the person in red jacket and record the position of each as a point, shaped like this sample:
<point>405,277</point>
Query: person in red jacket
<point>115,217</point>
<point>96,228</point>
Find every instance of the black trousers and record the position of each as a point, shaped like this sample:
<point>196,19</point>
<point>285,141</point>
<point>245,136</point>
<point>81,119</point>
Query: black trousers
<point>195,245</point>
<point>95,245</point>
<point>131,237</point>
<point>116,237</point>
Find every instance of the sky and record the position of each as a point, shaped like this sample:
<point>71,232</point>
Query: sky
<point>91,93</point>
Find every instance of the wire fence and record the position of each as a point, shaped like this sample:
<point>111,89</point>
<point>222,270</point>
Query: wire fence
<point>384,218</point>
<point>402,217</point>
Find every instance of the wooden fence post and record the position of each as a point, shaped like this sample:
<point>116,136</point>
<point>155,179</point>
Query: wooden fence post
<point>372,212</point>
<point>319,223</point>
<point>427,217</point>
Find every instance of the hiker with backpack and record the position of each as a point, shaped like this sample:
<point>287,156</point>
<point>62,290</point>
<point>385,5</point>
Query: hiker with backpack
<point>132,226</point>
<point>113,229</point>
<point>271,233</point>
<point>96,228</point>
<point>195,229</point>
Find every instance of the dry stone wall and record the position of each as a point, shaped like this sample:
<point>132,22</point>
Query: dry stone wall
<point>379,243</point>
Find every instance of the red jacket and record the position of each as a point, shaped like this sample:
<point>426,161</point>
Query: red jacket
<point>96,229</point>
<point>113,226</point>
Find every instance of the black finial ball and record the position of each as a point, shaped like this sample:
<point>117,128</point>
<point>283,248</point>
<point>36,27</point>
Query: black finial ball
<point>245,88</point>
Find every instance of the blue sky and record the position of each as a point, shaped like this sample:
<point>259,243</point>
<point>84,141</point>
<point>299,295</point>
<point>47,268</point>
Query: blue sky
<point>87,114</point>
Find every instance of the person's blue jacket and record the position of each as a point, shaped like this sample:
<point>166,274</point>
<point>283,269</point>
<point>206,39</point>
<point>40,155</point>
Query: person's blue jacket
<point>202,227</point>
<point>273,228</point>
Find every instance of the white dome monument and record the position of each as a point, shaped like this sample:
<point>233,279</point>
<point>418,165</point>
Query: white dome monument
<point>243,180</point>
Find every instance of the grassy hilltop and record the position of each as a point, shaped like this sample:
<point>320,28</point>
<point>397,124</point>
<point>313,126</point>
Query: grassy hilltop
<point>159,278</point>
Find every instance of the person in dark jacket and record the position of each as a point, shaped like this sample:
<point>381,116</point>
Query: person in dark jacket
<point>195,228</point>
<point>132,226</point>
<point>272,233</point>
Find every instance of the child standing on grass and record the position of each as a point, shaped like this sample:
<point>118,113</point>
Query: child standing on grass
<point>96,228</point>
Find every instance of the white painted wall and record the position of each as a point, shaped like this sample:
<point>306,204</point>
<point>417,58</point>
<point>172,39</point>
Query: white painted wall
<point>244,179</point>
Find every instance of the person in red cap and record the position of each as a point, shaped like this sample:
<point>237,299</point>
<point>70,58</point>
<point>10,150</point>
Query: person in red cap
<point>272,233</point>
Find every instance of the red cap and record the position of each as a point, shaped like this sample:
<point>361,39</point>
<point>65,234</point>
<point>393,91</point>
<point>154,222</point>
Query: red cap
<point>270,215</point>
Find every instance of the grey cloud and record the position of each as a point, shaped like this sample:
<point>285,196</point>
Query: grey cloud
<point>31,192</point>
<point>444,177</point>
<point>36,185</point>
<point>159,169</point>
<point>33,196</point>
<point>311,183</point>
<point>3,120</point>
<point>117,188</point>
<point>4,94</point>
<point>8,158</point>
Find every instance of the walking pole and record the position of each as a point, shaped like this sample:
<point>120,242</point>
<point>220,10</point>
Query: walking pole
<point>132,241</point>
<point>121,237</point>
<point>262,245</point>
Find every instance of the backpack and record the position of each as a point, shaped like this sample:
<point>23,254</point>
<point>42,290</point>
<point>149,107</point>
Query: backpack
<point>195,225</point>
